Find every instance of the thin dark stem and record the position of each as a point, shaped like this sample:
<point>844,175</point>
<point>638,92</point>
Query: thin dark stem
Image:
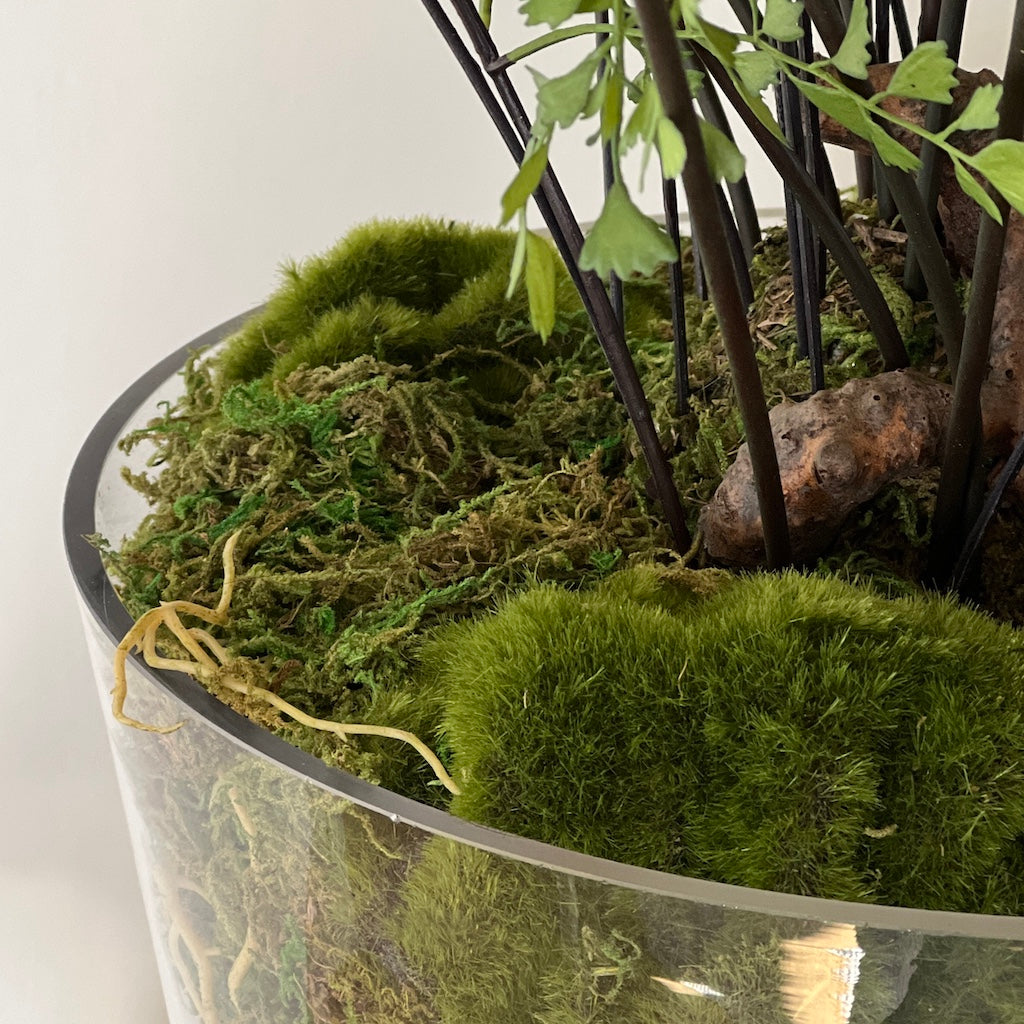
<point>803,243</point>
<point>882,27</point>
<point>950,30</point>
<point>678,300</point>
<point>735,246</point>
<point>700,279</point>
<point>916,222</point>
<point>902,25</point>
<point>739,191</point>
<point>886,207</point>
<point>741,8</point>
<point>564,227</point>
<point>817,165</point>
<point>829,227</point>
<point>615,294</point>
<point>817,162</point>
<point>608,170</point>
<point>829,22</point>
<point>928,23</point>
<point>960,461</point>
<point>670,78</point>
<point>864,167</point>
<point>969,551</point>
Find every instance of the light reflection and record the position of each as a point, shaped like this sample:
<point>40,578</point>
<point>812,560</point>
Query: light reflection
<point>821,972</point>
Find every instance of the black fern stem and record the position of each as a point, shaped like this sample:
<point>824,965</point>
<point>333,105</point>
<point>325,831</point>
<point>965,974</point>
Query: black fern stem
<point>963,440</point>
<point>882,28</point>
<point>735,246</point>
<point>950,30</point>
<point>811,246</point>
<point>608,170</point>
<point>678,299</point>
<point>829,226</point>
<point>901,23</point>
<point>866,167</point>
<point>568,238</point>
<point>487,54</point>
<point>670,78</point>
<point>886,208</point>
<point>741,197</point>
<point>615,295</point>
<point>741,8</point>
<point>917,223</point>
<point>803,243</point>
<point>700,279</point>
<point>1007,475</point>
<point>816,162</point>
<point>928,23</point>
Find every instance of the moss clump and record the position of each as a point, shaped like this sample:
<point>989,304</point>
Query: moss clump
<point>499,942</point>
<point>789,733</point>
<point>404,292</point>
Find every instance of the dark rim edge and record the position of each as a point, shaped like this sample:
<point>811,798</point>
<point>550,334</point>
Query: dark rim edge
<point>103,604</point>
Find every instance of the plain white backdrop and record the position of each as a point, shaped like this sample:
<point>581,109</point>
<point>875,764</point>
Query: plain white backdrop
<point>158,161</point>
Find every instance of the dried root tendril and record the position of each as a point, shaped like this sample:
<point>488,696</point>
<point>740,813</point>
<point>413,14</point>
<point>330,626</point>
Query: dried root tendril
<point>209,658</point>
<point>240,967</point>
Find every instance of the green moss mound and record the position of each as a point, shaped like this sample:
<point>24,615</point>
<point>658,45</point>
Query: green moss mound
<point>402,292</point>
<point>789,733</point>
<point>499,942</point>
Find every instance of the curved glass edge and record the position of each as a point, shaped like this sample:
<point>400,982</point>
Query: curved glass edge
<point>273,900</point>
<point>100,602</point>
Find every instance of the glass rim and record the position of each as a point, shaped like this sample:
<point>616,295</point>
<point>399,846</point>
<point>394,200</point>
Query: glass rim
<point>103,605</point>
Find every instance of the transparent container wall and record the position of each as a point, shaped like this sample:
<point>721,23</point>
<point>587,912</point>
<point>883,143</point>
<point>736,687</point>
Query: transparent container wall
<point>276,898</point>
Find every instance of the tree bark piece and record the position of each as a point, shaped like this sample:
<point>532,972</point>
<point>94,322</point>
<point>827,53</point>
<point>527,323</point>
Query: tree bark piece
<point>836,451</point>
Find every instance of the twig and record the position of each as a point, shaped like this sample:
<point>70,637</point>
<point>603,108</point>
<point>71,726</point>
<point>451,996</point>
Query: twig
<point>670,78</point>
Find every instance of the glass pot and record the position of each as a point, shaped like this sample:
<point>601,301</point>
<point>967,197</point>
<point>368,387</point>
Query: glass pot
<point>279,889</point>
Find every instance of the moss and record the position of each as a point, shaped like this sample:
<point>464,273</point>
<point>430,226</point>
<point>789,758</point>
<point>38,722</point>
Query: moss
<point>402,292</point>
<point>438,459</point>
<point>789,733</point>
<point>501,942</point>
<point>404,457</point>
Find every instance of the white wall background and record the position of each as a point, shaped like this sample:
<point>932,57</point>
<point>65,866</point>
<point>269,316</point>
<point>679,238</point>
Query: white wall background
<point>157,162</point>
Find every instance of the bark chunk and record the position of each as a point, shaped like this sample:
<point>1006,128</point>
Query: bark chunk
<point>836,450</point>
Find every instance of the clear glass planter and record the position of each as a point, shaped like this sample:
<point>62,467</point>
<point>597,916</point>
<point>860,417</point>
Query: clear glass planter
<point>281,890</point>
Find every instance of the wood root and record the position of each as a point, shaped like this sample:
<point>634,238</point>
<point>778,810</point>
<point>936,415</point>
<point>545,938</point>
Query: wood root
<point>836,451</point>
